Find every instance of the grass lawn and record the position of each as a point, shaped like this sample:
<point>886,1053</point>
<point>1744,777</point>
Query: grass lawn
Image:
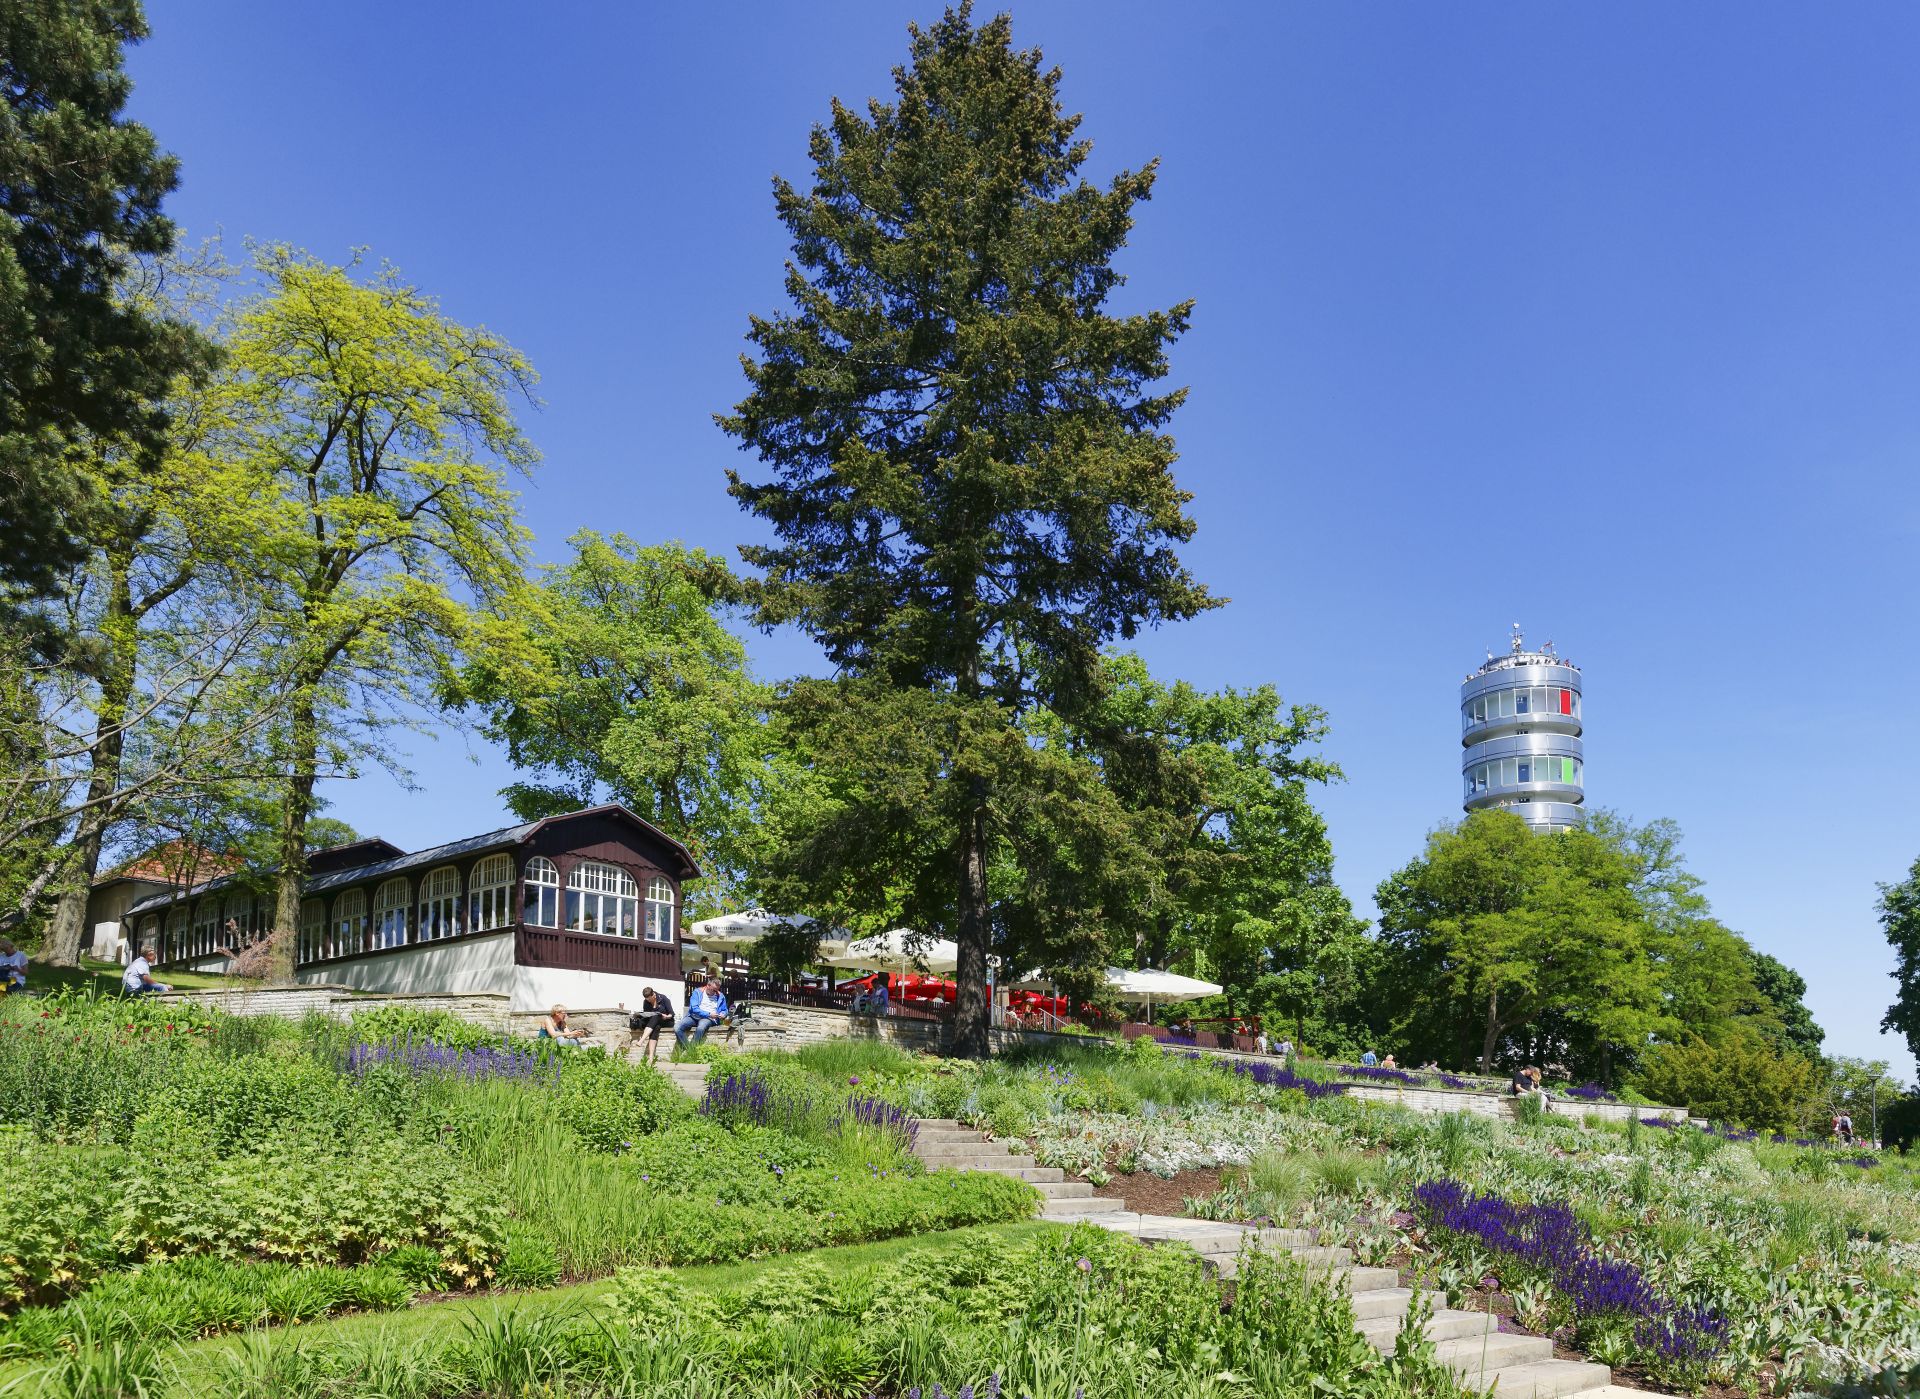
<point>104,978</point>
<point>198,1357</point>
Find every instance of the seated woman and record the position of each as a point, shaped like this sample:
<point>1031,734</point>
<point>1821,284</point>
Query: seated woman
<point>555,1028</point>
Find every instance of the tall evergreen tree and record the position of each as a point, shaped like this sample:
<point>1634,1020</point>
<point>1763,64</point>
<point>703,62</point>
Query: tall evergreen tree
<point>971,484</point>
<point>80,193</point>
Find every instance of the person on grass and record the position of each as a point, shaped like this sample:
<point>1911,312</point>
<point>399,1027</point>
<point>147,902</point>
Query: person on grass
<point>556,1028</point>
<point>13,968</point>
<point>706,1008</point>
<point>138,980</point>
<point>643,1026</point>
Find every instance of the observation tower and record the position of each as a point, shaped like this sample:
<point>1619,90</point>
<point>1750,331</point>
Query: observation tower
<point>1520,728</point>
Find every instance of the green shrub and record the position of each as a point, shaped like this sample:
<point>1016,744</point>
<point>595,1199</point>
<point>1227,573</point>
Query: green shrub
<point>610,1105</point>
<point>391,1024</point>
<point>529,1261</point>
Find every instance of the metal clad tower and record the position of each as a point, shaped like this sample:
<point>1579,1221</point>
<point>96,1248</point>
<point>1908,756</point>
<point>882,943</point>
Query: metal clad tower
<point>1520,727</point>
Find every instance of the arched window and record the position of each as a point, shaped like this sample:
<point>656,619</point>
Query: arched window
<point>543,893</point>
<point>390,914</point>
<point>206,927</point>
<point>238,922</point>
<point>313,930</point>
<point>490,899</point>
<point>350,923</point>
<point>603,898</point>
<point>178,920</point>
<point>440,905</point>
<point>659,911</point>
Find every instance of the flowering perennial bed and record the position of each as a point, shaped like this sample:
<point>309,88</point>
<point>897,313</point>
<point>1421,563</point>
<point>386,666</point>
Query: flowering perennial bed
<point>1549,1239</point>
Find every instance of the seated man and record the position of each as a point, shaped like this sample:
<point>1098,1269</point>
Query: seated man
<point>13,968</point>
<point>1369,1059</point>
<point>643,1026</point>
<point>706,1008</point>
<point>138,980</point>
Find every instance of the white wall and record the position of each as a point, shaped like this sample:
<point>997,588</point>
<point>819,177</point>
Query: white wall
<point>457,966</point>
<point>541,988</point>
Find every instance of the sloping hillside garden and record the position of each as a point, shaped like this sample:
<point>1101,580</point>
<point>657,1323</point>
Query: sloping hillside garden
<point>171,1173</point>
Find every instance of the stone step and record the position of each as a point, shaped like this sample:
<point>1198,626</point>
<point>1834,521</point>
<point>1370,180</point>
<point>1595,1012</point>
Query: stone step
<point>1318,1257</point>
<point>1073,1209</point>
<point>1363,1279</point>
<point>1559,1379</point>
<point>935,1134</point>
<point>1476,1358</point>
<point>1061,1189</point>
<point>1443,1325</point>
<point>976,1163</point>
<point>1036,1175</point>
<point>937,1122</point>
<point>1382,1302</point>
<point>972,1145</point>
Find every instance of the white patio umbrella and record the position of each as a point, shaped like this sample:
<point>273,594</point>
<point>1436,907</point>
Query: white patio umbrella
<point>900,950</point>
<point>1149,985</point>
<point>735,932</point>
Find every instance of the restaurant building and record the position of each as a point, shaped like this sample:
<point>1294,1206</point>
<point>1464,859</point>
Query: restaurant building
<point>582,909</point>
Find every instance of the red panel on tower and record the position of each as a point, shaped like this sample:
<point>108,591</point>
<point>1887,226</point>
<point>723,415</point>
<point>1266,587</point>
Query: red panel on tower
<point>1566,701</point>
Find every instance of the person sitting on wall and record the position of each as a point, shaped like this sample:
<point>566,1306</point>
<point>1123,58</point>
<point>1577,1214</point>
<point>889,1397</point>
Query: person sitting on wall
<point>1284,1049</point>
<point>555,1028</point>
<point>13,968</point>
<point>643,1026</point>
<point>706,1007</point>
<point>1387,1063</point>
<point>138,980</point>
<point>873,1000</point>
<point>1369,1059</point>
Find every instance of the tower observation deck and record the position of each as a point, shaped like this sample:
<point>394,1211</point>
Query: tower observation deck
<point>1520,729</point>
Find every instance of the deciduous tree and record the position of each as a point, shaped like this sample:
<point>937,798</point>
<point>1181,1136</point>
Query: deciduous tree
<point>615,677</point>
<point>384,432</point>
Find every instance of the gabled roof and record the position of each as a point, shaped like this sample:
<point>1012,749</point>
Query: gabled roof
<point>453,850</point>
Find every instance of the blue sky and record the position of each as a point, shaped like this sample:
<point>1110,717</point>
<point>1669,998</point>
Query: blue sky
<point>1601,319</point>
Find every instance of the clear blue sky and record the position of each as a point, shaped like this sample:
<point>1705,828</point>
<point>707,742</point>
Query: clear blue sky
<point>1604,319</point>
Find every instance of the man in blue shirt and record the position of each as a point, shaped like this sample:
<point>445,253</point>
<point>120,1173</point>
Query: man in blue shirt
<point>1369,1059</point>
<point>706,1007</point>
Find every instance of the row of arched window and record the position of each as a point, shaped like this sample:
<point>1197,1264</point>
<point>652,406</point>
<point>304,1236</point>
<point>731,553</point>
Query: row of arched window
<point>597,898</point>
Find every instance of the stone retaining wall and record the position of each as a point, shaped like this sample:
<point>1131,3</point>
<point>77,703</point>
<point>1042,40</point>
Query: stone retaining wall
<point>789,1027</point>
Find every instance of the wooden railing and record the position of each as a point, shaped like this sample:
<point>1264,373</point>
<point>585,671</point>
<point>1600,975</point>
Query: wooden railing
<point>588,952</point>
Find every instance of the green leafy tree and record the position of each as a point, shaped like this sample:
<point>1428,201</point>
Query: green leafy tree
<point>80,195</point>
<point>384,433</point>
<point>1778,1008</point>
<point>158,601</point>
<point>1741,1079</point>
<point>971,487</point>
<point>1900,920</point>
<point>615,677</point>
<point>1498,927</point>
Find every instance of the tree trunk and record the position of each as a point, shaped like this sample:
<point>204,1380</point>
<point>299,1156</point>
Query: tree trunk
<point>970,1019</point>
<point>121,631</point>
<point>290,879</point>
<point>1493,1033</point>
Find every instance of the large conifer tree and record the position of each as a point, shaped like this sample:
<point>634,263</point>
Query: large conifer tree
<point>971,479</point>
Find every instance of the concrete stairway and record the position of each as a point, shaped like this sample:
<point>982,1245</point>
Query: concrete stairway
<point>690,1079</point>
<point>1469,1343</point>
<point>944,1144</point>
